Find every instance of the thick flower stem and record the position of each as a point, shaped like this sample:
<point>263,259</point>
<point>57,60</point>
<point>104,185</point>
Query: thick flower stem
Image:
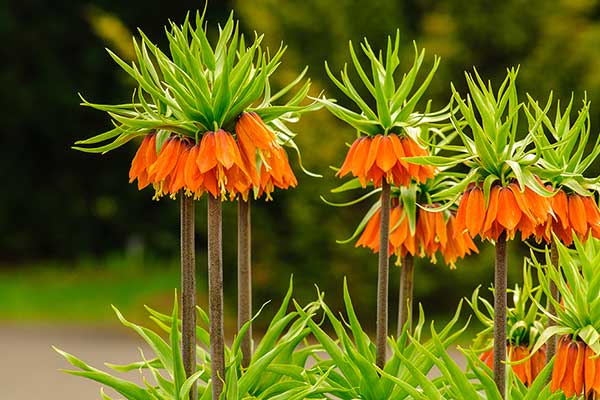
<point>188,288</point>
<point>382,277</point>
<point>405,299</point>
<point>245,277</point>
<point>215,295</point>
<point>551,344</point>
<point>500,286</point>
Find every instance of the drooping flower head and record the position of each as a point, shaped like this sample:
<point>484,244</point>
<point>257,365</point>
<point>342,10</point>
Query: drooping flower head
<point>419,224</point>
<point>390,134</point>
<point>525,324</point>
<point>576,368</point>
<point>186,107</point>
<point>259,143</point>
<point>563,161</point>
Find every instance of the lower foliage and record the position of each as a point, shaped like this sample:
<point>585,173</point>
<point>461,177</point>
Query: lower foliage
<point>310,352</point>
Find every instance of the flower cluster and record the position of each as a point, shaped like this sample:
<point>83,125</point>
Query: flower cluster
<point>576,369</point>
<point>526,370</point>
<point>217,164</point>
<point>373,158</point>
<point>510,209</point>
<point>571,213</point>
<point>433,233</point>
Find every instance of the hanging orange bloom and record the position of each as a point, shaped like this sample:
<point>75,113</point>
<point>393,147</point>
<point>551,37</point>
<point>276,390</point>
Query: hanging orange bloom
<point>432,234</point>
<point>576,370</point>
<point>572,213</point>
<point>144,157</point>
<point>256,139</point>
<point>215,165</point>
<point>526,371</point>
<point>371,159</point>
<point>508,210</point>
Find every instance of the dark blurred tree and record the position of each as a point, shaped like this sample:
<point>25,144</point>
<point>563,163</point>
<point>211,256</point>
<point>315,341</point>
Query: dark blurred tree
<point>59,203</point>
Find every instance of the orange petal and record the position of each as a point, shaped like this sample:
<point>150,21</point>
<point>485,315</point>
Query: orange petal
<point>192,175</point>
<point>488,358</point>
<point>347,165</point>
<point>521,201</point>
<point>225,153</point>
<point>207,158</point>
<point>398,149</point>
<point>578,372</point>
<point>509,213</point>
<point>560,364</point>
<point>577,215</point>
<point>592,212</point>
<point>589,368</point>
<point>475,212</point>
<point>568,382</point>
<point>461,213</point>
<point>251,130</point>
<point>539,205</point>
<point>360,158</point>
<point>178,181</point>
<point>210,183</point>
<point>370,236</point>
<point>373,150</point>
<point>560,206</point>
<point>138,164</point>
<point>441,229</point>
<point>166,161</point>
<point>596,387</point>
<point>492,209</point>
<point>386,158</point>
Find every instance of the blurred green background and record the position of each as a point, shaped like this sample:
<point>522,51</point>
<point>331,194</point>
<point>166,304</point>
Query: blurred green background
<point>77,237</point>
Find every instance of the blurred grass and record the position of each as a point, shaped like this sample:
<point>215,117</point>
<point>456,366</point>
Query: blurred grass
<point>83,293</point>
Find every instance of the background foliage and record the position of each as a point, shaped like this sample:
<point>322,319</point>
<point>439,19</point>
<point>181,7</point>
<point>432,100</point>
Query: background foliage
<point>61,206</point>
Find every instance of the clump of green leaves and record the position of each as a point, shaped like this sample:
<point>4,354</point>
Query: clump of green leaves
<point>396,101</point>
<point>350,369</point>
<point>577,278</point>
<point>197,87</point>
<point>525,321</point>
<point>278,368</point>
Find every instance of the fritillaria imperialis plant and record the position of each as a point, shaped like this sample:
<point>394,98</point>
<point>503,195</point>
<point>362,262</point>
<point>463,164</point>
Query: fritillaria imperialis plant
<point>193,108</point>
<point>525,323</point>
<point>577,317</point>
<point>385,136</point>
<point>500,194</point>
<point>562,147</point>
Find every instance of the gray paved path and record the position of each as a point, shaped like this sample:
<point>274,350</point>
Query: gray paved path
<point>29,367</point>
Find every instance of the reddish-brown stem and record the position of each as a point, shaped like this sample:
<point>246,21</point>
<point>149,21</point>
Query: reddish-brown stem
<point>405,298</point>
<point>244,277</point>
<point>215,295</point>
<point>383,277</point>
<point>551,344</point>
<point>188,288</point>
<point>500,286</point>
